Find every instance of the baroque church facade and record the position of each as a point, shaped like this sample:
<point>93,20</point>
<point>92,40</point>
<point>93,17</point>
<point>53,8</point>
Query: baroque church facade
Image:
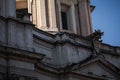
<point>53,40</point>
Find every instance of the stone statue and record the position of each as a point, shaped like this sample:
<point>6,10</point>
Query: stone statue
<point>96,41</point>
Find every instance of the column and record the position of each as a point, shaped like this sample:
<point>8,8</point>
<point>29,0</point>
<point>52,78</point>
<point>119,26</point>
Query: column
<point>29,2</point>
<point>52,15</point>
<point>34,12</point>
<point>11,8</point>
<point>84,17</point>
<point>28,37</point>
<point>2,8</point>
<point>89,16</point>
<point>41,14</point>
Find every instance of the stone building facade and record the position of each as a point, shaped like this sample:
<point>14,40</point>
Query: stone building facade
<point>53,40</point>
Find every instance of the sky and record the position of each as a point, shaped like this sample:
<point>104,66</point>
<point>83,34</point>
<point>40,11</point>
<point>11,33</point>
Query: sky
<point>106,17</point>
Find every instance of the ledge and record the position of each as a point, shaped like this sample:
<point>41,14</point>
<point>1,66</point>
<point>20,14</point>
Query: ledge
<point>18,21</point>
<point>8,51</point>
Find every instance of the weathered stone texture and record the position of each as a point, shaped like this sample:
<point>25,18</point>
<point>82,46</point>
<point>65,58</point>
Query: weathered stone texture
<point>45,51</point>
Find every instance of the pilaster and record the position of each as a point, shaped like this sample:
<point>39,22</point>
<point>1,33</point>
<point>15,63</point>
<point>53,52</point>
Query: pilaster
<point>3,32</point>
<point>11,8</point>
<point>2,8</point>
<point>73,20</point>
<point>11,27</point>
<point>58,14</point>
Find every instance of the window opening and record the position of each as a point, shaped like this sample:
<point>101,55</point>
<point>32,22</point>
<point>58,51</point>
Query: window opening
<point>64,20</point>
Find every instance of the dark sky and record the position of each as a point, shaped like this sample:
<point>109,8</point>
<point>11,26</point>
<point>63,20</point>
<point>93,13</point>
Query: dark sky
<point>106,17</point>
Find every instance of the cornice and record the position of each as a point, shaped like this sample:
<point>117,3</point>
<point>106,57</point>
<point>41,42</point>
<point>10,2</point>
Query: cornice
<point>9,51</point>
<point>15,20</point>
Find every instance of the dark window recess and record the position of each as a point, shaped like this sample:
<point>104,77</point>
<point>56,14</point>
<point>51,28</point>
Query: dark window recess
<point>21,12</point>
<point>64,20</point>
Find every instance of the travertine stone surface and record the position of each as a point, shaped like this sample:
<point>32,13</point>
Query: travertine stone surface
<point>31,52</point>
<point>10,8</point>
